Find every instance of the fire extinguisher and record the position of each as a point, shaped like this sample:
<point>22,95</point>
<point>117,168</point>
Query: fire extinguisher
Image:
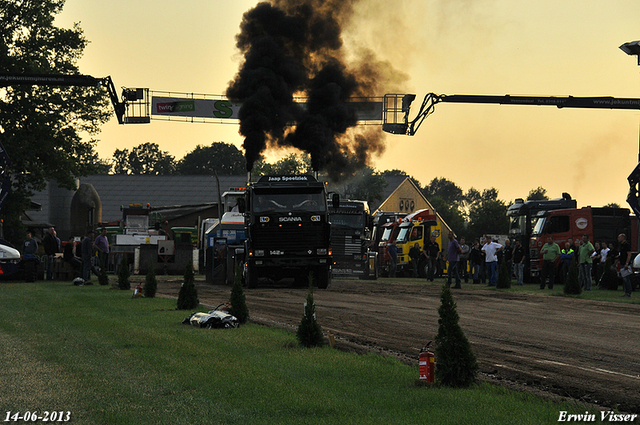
<point>426,363</point>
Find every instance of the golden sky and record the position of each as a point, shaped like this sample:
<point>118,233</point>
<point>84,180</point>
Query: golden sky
<point>517,47</point>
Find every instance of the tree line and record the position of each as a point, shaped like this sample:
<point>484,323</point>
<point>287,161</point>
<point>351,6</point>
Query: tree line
<point>471,213</point>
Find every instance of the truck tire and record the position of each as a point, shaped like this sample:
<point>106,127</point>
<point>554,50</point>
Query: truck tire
<point>323,277</point>
<point>250,278</point>
<point>423,268</point>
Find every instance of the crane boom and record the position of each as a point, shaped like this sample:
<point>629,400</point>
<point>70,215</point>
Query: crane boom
<point>396,111</point>
<point>119,107</point>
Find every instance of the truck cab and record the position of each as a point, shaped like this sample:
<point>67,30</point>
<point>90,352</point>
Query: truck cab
<point>350,240</point>
<point>415,228</point>
<point>288,231</point>
<point>601,224</point>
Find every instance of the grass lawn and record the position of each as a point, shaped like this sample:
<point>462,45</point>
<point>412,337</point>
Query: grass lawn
<point>110,359</point>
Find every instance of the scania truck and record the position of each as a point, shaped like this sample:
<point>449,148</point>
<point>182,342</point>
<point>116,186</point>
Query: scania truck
<point>288,231</point>
<point>351,239</point>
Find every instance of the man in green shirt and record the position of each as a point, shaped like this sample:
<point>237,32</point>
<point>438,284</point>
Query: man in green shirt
<point>584,253</point>
<point>550,254</point>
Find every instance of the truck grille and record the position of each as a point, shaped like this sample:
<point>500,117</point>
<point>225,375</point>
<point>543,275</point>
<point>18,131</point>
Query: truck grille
<point>345,245</point>
<point>289,238</point>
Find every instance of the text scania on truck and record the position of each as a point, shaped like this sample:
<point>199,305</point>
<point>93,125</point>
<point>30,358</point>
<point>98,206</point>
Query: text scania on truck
<point>288,230</point>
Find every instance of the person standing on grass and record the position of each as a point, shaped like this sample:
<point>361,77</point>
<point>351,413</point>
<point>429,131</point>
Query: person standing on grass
<point>518,261</point>
<point>622,262</point>
<point>584,255</point>
<point>490,249</point>
<point>87,254</point>
<point>102,244</point>
<point>550,254</point>
<point>453,256</point>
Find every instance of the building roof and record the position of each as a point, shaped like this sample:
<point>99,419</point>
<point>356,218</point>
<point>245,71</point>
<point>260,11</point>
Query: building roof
<point>165,191</point>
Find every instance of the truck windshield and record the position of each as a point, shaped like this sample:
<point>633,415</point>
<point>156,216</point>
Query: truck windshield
<point>386,235</point>
<point>348,220</point>
<point>403,236</point>
<point>518,225</point>
<point>539,226</point>
<point>282,202</point>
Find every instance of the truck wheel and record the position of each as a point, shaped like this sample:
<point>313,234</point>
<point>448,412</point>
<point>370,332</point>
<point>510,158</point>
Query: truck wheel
<point>323,277</point>
<point>423,269</point>
<point>250,278</point>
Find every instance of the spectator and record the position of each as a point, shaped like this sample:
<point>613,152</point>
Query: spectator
<point>102,244</point>
<point>491,249</point>
<point>414,255</point>
<point>432,252</point>
<point>87,254</point>
<point>475,260</point>
<point>622,262</point>
<point>566,255</point>
<point>51,247</point>
<point>584,255</point>
<point>550,254</point>
<point>30,246</point>
<point>70,257</point>
<point>518,261</point>
<point>464,259</point>
<point>453,256</point>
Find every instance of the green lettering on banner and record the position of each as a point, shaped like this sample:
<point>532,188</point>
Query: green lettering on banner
<point>187,105</point>
<point>222,109</point>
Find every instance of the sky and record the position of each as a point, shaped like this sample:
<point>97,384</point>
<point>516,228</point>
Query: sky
<point>492,47</point>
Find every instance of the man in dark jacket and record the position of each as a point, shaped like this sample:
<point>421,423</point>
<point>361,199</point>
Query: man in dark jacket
<point>50,243</point>
<point>414,254</point>
<point>87,253</point>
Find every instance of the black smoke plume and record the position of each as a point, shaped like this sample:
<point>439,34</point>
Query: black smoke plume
<point>294,48</point>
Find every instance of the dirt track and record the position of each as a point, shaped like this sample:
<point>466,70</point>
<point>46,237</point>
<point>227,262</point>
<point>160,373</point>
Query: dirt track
<point>586,350</point>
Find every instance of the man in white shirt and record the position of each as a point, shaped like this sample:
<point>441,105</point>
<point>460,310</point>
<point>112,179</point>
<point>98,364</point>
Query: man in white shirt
<point>490,249</point>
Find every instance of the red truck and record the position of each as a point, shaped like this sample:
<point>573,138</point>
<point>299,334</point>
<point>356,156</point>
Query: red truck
<point>601,224</point>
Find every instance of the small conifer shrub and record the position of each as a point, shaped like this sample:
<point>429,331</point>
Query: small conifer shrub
<point>572,283</point>
<point>456,365</point>
<point>124,273</point>
<point>309,332</point>
<point>188,295</point>
<point>504,276</point>
<point>238,300</point>
<point>150,283</point>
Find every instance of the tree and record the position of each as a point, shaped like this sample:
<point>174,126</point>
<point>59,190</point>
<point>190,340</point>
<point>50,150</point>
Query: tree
<point>188,294</point>
<point>488,215</point>
<point>538,194</point>
<point>612,205</point>
<point>367,185</point>
<point>222,158</point>
<point>445,189</point>
<point>146,158</point>
<point>124,273</point>
<point>309,332</point>
<point>150,283</point>
<point>456,365</point>
<point>41,126</point>
<point>451,215</point>
<point>504,276</point>
<point>572,283</point>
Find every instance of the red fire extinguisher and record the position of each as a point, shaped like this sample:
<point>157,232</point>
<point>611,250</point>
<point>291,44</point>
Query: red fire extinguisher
<point>426,363</point>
